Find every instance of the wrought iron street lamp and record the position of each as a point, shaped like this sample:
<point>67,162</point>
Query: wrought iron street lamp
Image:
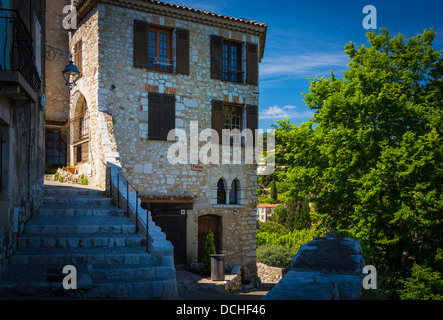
<point>71,73</point>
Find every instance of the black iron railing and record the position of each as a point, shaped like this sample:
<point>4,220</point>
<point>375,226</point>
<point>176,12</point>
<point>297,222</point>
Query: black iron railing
<point>80,127</point>
<point>116,194</point>
<point>16,48</point>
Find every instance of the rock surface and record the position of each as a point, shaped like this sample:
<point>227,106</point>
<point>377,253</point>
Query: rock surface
<point>328,268</point>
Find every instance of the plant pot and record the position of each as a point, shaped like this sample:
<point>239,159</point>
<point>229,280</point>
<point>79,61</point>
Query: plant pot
<point>70,170</point>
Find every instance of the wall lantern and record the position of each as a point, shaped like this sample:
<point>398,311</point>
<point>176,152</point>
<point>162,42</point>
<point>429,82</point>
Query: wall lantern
<point>71,73</point>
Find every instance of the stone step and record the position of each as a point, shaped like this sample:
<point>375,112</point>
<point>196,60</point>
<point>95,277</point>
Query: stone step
<point>74,256</point>
<point>77,200</point>
<point>41,281</point>
<point>78,224</point>
<point>73,191</point>
<point>130,289</point>
<point>33,281</point>
<point>85,240</point>
<point>127,272</point>
<point>58,209</point>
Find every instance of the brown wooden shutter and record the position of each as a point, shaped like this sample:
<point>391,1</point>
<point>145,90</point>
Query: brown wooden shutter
<point>216,57</point>
<point>182,53</point>
<point>78,56</point>
<point>252,120</point>
<point>217,118</point>
<point>161,115</point>
<point>168,115</point>
<point>140,44</point>
<point>85,152</point>
<point>252,63</point>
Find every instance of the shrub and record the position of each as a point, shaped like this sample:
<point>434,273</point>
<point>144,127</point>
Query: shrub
<point>274,256</point>
<point>209,249</point>
<point>84,180</point>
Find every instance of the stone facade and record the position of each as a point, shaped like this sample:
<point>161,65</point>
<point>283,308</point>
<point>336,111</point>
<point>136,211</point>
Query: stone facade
<point>21,128</point>
<point>116,95</point>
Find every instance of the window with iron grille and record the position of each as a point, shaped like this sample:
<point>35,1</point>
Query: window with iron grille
<point>159,49</point>
<point>232,62</point>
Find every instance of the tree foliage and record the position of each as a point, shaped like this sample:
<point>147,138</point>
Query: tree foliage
<point>373,153</point>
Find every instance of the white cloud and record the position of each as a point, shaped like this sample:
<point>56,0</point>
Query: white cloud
<point>302,65</point>
<point>277,113</point>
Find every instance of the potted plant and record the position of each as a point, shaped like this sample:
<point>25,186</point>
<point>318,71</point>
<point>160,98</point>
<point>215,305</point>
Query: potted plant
<point>70,168</point>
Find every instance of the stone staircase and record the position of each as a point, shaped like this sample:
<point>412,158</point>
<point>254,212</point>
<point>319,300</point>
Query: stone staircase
<point>79,226</point>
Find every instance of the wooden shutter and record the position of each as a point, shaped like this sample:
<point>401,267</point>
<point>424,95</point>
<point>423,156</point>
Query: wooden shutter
<point>78,56</point>
<point>182,53</point>
<point>161,115</point>
<point>140,44</point>
<point>85,152</point>
<point>217,118</point>
<point>216,56</point>
<point>252,63</point>
<point>252,120</point>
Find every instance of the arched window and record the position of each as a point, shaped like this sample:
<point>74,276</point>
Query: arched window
<point>233,194</point>
<point>221,192</point>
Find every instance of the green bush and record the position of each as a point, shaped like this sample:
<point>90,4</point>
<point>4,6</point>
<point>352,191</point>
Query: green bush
<point>424,284</point>
<point>84,180</point>
<point>274,256</point>
<point>292,240</point>
<point>273,227</point>
<point>209,249</point>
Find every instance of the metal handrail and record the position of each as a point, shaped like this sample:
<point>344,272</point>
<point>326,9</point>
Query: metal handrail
<point>20,48</point>
<point>137,196</point>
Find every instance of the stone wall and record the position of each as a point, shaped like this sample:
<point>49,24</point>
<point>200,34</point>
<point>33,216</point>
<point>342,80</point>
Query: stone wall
<point>269,274</point>
<point>57,95</point>
<point>328,268</point>
<point>115,90</point>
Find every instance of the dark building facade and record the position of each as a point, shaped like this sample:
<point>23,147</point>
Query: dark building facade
<point>22,117</point>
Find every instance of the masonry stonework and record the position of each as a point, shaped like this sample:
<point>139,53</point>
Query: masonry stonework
<point>117,99</point>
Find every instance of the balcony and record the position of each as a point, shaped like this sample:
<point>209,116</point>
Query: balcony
<point>19,78</point>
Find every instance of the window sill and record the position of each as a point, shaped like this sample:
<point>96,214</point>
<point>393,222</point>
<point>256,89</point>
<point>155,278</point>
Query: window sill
<point>228,205</point>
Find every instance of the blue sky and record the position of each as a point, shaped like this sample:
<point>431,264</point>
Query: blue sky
<point>307,39</point>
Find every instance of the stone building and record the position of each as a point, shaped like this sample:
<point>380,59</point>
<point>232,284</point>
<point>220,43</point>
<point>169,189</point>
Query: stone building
<point>149,67</point>
<point>265,211</point>
<point>22,85</point>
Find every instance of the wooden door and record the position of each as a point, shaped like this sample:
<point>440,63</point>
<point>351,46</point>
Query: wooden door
<point>205,224</point>
<point>173,224</point>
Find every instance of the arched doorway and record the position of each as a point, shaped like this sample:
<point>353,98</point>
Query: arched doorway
<point>80,132</point>
<point>205,224</point>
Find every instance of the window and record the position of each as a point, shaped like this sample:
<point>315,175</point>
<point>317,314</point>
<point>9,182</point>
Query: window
<point>159,49</point>
<point>232,62</point>
<point>55,149</point>
<point>233,194</point>
<point>221,192</point>
<point>153,48</point>
<point>229,64</point>
<point>231,116</point>
<point>161,115</point>
<point>78,55</point>
<point>232,120</point>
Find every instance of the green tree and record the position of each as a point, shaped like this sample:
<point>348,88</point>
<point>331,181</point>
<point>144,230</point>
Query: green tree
<point>209,249</point>
<point>373,153</point>
<point>274,193</point>
<point>280,214</point>
<point>302,217</point>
